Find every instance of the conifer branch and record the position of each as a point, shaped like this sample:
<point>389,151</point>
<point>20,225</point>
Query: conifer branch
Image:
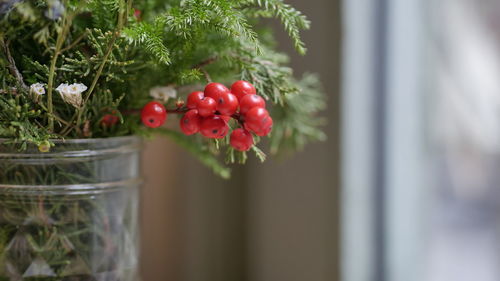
<point>292,19</point>
<point>121,15</point>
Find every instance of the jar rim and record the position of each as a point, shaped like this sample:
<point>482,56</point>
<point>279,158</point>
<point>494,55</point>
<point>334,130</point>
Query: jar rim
<point>76,148</point>
<point>83,140</point>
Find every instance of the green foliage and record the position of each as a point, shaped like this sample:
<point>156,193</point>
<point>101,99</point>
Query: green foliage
<point>292,19</point>
<point>151,37</point>
<point>120,55</point>
<point>298,123</point>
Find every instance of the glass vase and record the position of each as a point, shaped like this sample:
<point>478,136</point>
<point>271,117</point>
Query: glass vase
<point>70,213</point>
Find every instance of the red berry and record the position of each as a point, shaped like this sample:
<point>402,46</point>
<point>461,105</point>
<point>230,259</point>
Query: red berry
<point>255,119</point>
<point>190,122</point>
<point>214,90</point>
<point>214,127</point>
<point>242,88</point>
<point>241,139</point>
<point>137,14</point>
<point>206,107</point>
<point>227,104</point>
<point>153,114</point>
<point>194,98</point>
<point>266,127</point>
<point>250,101</point>
<point>109,120</point>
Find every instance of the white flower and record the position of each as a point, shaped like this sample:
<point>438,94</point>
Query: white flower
<point>163,93</point>
<point>37,89</point>
<point>72,94</point>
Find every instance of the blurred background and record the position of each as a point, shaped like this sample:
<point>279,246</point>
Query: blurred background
<point>406,187</point>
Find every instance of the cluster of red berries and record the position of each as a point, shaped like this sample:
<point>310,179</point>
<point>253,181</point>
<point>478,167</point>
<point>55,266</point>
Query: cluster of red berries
<point>209,112</point>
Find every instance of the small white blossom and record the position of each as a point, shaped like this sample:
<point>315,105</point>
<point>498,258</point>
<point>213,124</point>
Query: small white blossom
<point>72,94</point>
<point>163,93</point>
<point>37,89</point>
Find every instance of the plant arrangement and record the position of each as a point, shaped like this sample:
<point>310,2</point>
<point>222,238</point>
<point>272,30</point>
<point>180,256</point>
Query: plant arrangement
<point>82,69</point>
<point>106,68</point>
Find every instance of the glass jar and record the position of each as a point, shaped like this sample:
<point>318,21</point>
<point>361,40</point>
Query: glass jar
<point>70,213</point>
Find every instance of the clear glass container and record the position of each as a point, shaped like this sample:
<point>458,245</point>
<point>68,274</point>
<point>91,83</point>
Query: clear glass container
<point>70,213</point>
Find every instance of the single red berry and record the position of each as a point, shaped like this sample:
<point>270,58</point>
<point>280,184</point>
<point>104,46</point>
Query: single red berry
<point>214,90</point>
<point>250,101</point>
<point>266,127</point>
<point>227,104</point>
<point>242,88</point>
<point>206,107</point>
<point>214,127</point>
<point>241,139</point>
<point>137,14</point>
<point>109,120</point>
<point>190,122</point>
<point>256,119</point>
<point>153,114</point>
<point>194,98</point>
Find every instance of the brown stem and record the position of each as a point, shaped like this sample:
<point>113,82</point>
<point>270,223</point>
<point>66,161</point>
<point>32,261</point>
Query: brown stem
<point>181,110</point>
<point>207,76</point>
<point>72,45</point>
<point>12,91</point>
<point>12,64</point>
<point>236,116</point>
<point>205,62</point>
<point>200,66</point>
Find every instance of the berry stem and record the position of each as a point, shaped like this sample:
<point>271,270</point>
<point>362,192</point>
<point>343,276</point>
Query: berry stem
<point>238,117</point>
<point>181,110</point>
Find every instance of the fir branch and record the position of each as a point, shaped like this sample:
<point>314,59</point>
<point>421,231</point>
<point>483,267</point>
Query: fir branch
<point>116,34</point>
<point>194,17</point>
<point>292,19</point>
<point>151,37</point>
<point>298,123</point>
<point>267,72</point>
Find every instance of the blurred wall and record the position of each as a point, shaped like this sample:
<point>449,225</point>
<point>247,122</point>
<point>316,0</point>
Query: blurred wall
<point>276,221</point>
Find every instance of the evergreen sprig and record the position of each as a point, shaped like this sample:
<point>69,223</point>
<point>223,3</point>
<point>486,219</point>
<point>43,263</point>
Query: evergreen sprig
<point>121,49</point>
<point>292,19</point>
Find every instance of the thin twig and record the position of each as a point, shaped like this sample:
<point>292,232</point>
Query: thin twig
<point>72,45</point>
<point>56,117</point>
<point>12,64</point>
<point>205,73</point>
<point>50,85</point>
<point>12,91</point>
<point>200,66</point>
<point>205,62</point>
